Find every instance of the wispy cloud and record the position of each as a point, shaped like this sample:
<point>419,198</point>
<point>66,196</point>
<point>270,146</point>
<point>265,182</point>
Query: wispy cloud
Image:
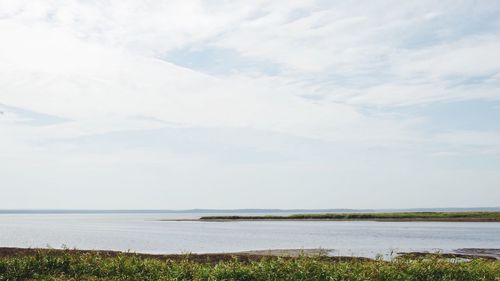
<point>307,88</point>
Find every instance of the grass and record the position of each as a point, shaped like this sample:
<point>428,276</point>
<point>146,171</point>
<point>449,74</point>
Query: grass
<point>420,216</point>
<point>73,265</point>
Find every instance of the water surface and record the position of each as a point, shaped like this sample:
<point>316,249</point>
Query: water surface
<point>145,233</point>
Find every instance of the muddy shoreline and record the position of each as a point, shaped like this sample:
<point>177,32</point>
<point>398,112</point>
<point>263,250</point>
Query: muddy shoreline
<point>248,256</point>
<point>353,219</point>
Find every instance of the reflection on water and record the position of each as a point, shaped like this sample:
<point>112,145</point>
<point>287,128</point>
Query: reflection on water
<point>145,233</point>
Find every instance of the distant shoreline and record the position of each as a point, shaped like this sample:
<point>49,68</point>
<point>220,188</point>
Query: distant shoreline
<point>396,217</point>
<point>333,220</point>
<point>241,211</point>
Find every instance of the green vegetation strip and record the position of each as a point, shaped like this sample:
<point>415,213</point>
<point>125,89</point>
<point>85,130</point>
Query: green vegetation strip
<point>421,216</point>
<point>95,266</point>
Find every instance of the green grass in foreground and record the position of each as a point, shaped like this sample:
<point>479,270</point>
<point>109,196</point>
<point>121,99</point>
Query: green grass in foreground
<point>480,216</point>
<point>94,266</point>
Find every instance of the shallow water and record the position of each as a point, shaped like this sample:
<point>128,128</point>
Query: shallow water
<point>145,233</point>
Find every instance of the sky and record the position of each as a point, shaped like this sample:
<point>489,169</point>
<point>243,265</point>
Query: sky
<point>249,104</point>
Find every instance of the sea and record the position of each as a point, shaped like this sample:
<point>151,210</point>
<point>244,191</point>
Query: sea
<point>151,232</point>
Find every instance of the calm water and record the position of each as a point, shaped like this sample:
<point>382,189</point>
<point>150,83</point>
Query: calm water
<point>144,233</point>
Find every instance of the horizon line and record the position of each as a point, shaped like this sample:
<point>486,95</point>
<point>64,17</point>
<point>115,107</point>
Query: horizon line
<point>249,210</point>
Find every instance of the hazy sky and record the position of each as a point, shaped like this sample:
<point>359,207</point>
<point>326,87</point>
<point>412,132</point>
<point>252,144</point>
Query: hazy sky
<point>249,104</point>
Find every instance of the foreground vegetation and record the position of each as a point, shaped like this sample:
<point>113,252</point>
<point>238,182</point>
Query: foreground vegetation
<point>417,216</point>
<point>73,265</point>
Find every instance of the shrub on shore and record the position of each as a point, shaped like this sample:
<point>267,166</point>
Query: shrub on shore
<point>94,266</point>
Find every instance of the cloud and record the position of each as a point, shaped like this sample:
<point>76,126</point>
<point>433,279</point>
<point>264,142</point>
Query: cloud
<point>333,50</point>
<point>251,96</point>
<point>470,138</point>
<point>476,56</point>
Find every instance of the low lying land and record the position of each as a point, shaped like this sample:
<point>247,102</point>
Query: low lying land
<point>29,264</point>
<point>403,216</point>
